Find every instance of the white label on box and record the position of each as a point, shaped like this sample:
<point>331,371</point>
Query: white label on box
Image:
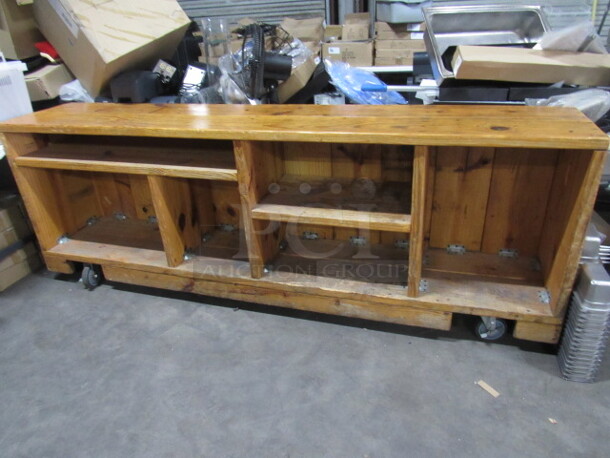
<point>65,16</point>
<point>334,50</point>
<point>417,35</point>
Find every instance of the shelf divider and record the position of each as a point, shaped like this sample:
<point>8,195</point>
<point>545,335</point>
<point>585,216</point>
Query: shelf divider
<point>421,172</point>
<point>174,210</point>
<point>257,168</point>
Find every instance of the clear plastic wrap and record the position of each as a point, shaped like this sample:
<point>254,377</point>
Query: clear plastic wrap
<point>580,37</point>
<point>235,76</point>
<point>594,103</point>
<point>74,92</point>
<point>350,80</point>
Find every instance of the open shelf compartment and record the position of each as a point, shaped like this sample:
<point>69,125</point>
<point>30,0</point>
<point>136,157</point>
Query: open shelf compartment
<point>341,185</point>
<point>203,159</point>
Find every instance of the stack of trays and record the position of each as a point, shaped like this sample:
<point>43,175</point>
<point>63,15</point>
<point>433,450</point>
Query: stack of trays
<point>587,328</point>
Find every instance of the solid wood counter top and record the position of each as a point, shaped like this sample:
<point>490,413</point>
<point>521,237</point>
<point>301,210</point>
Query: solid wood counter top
<point>437,125</point>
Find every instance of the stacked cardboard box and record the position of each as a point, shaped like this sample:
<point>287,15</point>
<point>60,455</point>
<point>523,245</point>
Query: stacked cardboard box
<point>18,254</point>
<point>395,44</point>
<point>350,43</point>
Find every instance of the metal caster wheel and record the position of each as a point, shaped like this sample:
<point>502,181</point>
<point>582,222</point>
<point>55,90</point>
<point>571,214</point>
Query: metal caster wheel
<point>489,328</point>
<point>91,277</point>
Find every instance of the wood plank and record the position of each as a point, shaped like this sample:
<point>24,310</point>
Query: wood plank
<point>332,217</point>
<point>418,212</point>
<point>356,161</point>
<point>307,159</point>
<point>520,270</point>
<point>573,193</point>
<point>142,196</point>
<point>226,202</point>
<point>513,302</point>
<point>113,192</point>
<point>77,197</point>
<point>217,165</point>
<point>339,259</point>
<point>300,301</point>
<point>58,265</point>
<point>461,190</point>
<point>132,233</point>
<point>537,332</point>
<point>562,128</point>
<point>38,190</point>
<point>520,187</point>
<point>257,169</point>
<point>177,221</point>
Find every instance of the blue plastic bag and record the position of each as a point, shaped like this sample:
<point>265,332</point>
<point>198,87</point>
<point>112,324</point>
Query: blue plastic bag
<point>351,80</point>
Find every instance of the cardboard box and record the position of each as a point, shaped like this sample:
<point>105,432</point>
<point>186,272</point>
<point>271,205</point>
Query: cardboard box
<point>385,31</point>
<point>298,79</point>
<point>311,29</point>
<point>18,30</point>
<point>412,45</point>
<point>333,32</point>
<point>102,38</point>
<point>356,27</point>
<point>13,217</point>
<point>393,61</point>
<point>394,53</point>
<point>18,265</point>
<point>314,46</point>
<point>44,83</point>
<point>530,65</point>
<point>355,53</point>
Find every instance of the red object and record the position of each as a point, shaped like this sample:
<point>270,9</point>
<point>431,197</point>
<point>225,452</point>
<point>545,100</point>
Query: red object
<point>47,48</point>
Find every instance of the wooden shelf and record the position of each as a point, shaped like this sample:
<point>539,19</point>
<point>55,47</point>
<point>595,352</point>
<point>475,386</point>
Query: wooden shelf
<point>376,263</point>
<point>522,270</point>
<point>213,162</point>
<point>135,233</point>
<point>340,203</point>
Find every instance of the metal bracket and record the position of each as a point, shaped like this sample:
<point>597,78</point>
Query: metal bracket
<point>309,235</point>
<point>227,227</point>
<point>536,266</point>
<point>120,216</point>
<point>508,253</point>
<point>402,244</point>
<point>152,219</point>
<point>93,220</point>
<point>544,296</point>
<point>423,286</point>
<point>357,241</point>
<point>426,260</point>
<point>63,239</point>
<point>456,249</point>
<point>189,255</point>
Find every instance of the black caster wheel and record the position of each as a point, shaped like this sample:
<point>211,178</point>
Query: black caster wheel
<point>491,329</point>
<point>91,277</point>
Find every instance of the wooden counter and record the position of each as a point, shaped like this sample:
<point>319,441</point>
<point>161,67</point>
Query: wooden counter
<point>398,214</point>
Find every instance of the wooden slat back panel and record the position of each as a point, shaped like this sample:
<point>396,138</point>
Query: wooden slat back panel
<point>520,188</point>
<point>78,198</point>
<point>461,190</point>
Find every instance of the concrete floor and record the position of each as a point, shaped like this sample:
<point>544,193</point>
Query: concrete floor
<point>123,371</point>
